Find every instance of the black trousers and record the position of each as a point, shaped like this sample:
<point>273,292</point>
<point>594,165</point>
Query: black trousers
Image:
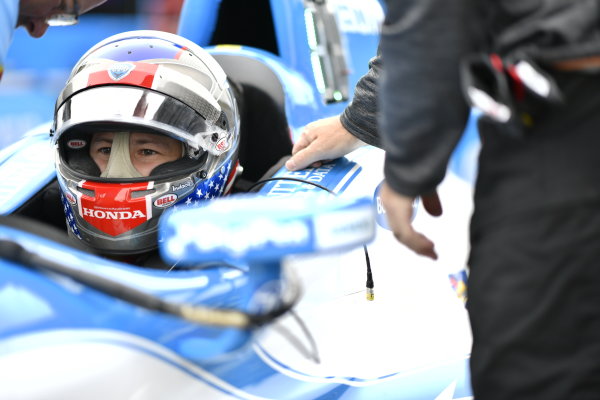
<point>534,305</point>
<point>534,283</point>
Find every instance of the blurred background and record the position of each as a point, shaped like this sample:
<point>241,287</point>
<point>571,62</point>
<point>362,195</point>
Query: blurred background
<point>36,69</point>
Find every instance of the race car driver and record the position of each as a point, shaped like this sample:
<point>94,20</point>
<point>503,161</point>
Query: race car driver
<point>146,121</point>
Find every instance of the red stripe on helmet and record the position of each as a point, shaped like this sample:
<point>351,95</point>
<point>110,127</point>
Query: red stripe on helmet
<point>119,73</point>
<point>181,52</point>
<point>229,182</point>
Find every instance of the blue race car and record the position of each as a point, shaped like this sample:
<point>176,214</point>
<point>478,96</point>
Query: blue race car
<point>265,296</point>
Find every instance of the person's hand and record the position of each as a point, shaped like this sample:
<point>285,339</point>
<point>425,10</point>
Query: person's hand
<point>399,209</point>
<point>322,140</point>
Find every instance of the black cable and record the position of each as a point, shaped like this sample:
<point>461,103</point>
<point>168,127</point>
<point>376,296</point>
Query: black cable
<point>370,283</point>
<point>224,317</point>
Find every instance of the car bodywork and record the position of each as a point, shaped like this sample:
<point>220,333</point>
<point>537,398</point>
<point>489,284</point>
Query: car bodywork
<point>60,338</point>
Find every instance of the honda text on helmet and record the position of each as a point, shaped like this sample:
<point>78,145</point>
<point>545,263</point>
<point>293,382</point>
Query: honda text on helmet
<point>146,121</point>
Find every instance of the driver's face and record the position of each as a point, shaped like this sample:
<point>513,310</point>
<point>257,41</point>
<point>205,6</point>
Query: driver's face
<point>34,13</point>
<point>146,150</point>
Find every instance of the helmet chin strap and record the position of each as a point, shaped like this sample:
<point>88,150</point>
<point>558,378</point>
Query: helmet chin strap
<point>119,162</point>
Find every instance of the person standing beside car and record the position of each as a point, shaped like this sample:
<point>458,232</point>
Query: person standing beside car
<point>534,302</point>
<point>36,16</point>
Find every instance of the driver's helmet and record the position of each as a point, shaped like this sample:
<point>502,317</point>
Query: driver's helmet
<point>146,121</point>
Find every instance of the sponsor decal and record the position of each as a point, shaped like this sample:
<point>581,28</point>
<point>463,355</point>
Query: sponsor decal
<point>181,186</point>
<point>358,16</point>
<point>261,234</point>
<point>119,71</point>
<point>166,200</point>
<point>381,216</point>
<point>76,143</point>
<point>222,145</point>
<point>111,214</point>
<point>334,176</point>
<point>113,210</point>
<point>70,197</point>
<point>458,280</point>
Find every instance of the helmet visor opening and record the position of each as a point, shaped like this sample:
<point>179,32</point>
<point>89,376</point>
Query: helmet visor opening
<point>124,153</point>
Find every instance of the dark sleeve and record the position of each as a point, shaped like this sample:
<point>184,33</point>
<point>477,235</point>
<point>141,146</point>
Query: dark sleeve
<point>360,117</point>
<point>423,112</point>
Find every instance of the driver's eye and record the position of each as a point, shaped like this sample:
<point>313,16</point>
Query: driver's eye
<point>148,152</point>
<point>104,150</point>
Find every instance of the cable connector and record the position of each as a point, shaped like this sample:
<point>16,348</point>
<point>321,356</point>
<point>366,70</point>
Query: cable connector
<point>370,283</point>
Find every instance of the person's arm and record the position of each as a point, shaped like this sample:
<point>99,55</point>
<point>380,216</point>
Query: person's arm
<point>360,117</point>
<point>320,141</point>
<point>336,136</point>
<point>423,112</point>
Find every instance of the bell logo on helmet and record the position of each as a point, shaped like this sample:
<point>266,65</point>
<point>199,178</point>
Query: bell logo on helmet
<point>76,144</point>
<point>119,71</point>
<point>165,201</point>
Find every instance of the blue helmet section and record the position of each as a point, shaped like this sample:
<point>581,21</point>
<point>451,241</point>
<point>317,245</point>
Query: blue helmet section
<point>151,48</point>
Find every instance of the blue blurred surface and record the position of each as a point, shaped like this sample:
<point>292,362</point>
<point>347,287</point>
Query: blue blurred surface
<point>36,69</point>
